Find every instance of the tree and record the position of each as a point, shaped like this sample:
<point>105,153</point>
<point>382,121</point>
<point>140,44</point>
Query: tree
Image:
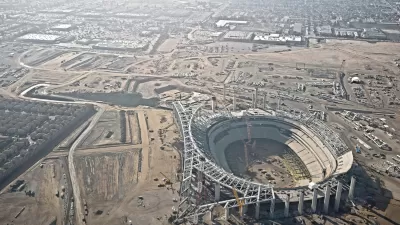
<point>3,158</point>
<point>8,153</point>
<point>11,131</point>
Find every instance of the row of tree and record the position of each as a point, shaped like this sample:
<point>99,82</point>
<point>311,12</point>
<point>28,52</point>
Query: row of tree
<point>40,107</point>
<point>30,126</point>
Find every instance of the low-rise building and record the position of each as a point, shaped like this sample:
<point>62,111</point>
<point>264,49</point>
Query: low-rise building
<point>63,27</point>
<point>393,35</point>
<point>297,29</point>
<point>238,36</point>
<point>373,33</point>
<point>120,45</point>
<point>40,38</point>
<point>325,30</point>
<point>279,39</point>
<point>226,23</point>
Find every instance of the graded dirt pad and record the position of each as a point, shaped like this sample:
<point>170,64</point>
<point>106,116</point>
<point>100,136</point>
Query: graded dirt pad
<point>95,82</point>
<point>35,58</point>
<point>106,176</point>
<point>150,89</point>
<point>168,45</point>
<point>40,76</point>
<point>133,127</point>
<point>106,131</point>
<point>142,203</point>
<point>357,54</point>
<point>55,63</point>
<point>45,207</point>
<point>121,63</point>
<point>96,61</point>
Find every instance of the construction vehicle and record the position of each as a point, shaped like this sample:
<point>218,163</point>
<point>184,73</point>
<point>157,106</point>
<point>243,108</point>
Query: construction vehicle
<point>167,181</point>
<point>358,149</point>
<point>239,201</point>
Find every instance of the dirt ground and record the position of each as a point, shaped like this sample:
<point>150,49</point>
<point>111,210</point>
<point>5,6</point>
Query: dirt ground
<point>45,206</point>
<point>168,45</point>
<point>96,82</point>
<point>113,178</point>
<point>265,162</point>
<point>106,131</point>
<point>133,128</point>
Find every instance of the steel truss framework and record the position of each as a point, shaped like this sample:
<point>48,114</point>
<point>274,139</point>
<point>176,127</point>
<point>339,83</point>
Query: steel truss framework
<point>195,161</point>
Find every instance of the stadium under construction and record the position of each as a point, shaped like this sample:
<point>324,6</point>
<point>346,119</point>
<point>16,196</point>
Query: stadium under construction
<point>318,162</point>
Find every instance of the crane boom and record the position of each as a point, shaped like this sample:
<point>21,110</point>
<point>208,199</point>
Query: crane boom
<point>240,202</point>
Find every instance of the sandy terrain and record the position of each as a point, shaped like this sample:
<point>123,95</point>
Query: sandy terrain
<point>113,177</point>
<point>45,205</point>
<point>168,46</point>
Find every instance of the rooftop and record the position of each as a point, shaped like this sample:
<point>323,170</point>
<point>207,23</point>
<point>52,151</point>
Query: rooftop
<point>277,37</point>
<point>40,37</point>
<point>222,23</point>
<point>240,35</point>
<point>62,26</point>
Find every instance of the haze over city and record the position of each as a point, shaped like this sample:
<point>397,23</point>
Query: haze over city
<point>199,112</point>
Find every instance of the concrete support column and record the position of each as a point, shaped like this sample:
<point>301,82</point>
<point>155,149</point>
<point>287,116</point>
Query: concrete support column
<point>210,214</point>
<point>314,200</point>
<point>196,219</point>
<point>352,186</point>
<point>257,211</point>
<point>213,104</point>
<point>301,202</point>
<point>338,196</point>
<point>255,97</point>
<point>327,197</point>
<point>234,103</point>
<point>217,189</point>
<point>272,209</point>
<point>264,101</point>
<point>253,103</point>
<point>224,92</point>
<point>226,213</point>
<point>287,202</point>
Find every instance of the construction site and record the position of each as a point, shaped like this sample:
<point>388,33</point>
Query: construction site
<point>204,127</point>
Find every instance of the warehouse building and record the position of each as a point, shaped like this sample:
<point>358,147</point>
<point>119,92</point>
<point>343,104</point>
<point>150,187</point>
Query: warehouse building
<point>226,23</point>
<point>63,27</point>
<point>238,36</point>
<point>119,45</point>
<point>279,39</point>
<point>297,29</point>
<point>325,30</point>
<point>393,35</point>
<point>373,33</point>
<point>40,38</point>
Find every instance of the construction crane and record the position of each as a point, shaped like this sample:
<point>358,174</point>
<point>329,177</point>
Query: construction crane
<point>239,201</point>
